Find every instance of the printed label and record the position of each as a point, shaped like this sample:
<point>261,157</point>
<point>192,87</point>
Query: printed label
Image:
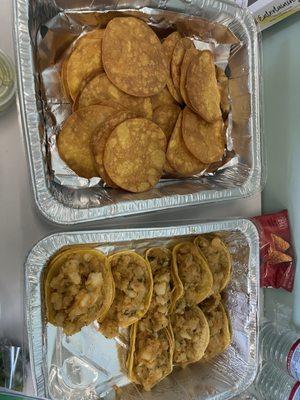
<point>293,360</point>
<point>295,393</point>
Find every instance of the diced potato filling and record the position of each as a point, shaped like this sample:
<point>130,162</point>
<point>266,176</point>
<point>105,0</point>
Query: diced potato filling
<point>152,356</point>
<point>180,306</point>
<point>211,303</point>
<point>214,253</point>
<point>161,298</point>
<point>190,274</point>
<point>76,291</point>
<point>188,333</point>
<point>130,278</point>
<point>131,290</point>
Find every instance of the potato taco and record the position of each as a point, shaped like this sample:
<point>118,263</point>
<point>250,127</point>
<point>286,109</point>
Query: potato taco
<point>193,272</point>
<point>220,336</point>
<point>191,335</point>
<point>150,355</point>
<point>133,291</point>
<point>79,288</point>
<point>218,258</point>
<point>167,287</point>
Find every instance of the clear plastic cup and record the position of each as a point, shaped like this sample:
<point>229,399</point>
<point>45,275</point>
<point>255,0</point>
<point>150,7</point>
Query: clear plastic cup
<point>7,81</point>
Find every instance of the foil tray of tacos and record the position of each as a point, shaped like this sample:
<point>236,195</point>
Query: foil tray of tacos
<point>112,132</point>
<point>152,313</point>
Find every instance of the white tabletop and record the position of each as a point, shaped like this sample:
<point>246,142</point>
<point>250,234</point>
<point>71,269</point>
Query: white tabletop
<point>282,97</point>
<point>21,226</point>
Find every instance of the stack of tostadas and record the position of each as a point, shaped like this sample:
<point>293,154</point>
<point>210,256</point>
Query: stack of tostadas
<point>169,298</point>
<point>142,108</point>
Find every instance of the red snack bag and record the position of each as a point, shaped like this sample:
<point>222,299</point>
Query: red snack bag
<point>277,260</point>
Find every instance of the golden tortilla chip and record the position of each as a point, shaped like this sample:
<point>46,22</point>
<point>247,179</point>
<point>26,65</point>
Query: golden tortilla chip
<point>79,288</point>
<point>84,60</point>
<point>179,157</point>
<point>191,335</point>
<point>168,45</point>
<point>228,155</point>
<point>223,84</point>
<point>151,354</point>
<point>99,90</point>
<point>187,58</point>
<point>168,169</point>
<point>202,87</point>
<point>220,336</point>
<point>64,80</point>
<point>176,95</point>
<point>218,258</point>
<point>99,140</point>
<point>163,98</point>
<point>277,257</point>
<point>193,272</point>
<point>133,57</point>
<point>165,117</point>
<point>134,154</point>
<point>177,57</point>
<point>204,140</point>
<point>279,243</point>
<point>73,141</point>
<point>133,291</point>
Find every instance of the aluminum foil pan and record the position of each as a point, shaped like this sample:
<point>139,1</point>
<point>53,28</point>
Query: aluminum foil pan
<point>66,204</point>
<point>86,365</point>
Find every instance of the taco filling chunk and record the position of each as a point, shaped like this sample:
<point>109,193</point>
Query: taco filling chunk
<point>151,354</point>
<point>220,336</point>
<point>78,289</point>
<point>218,258</point>
<point>133,291</point>
<point>211,303</point>
<point>160,260</point>
<point>191,335</point>
<point>193,272</point>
